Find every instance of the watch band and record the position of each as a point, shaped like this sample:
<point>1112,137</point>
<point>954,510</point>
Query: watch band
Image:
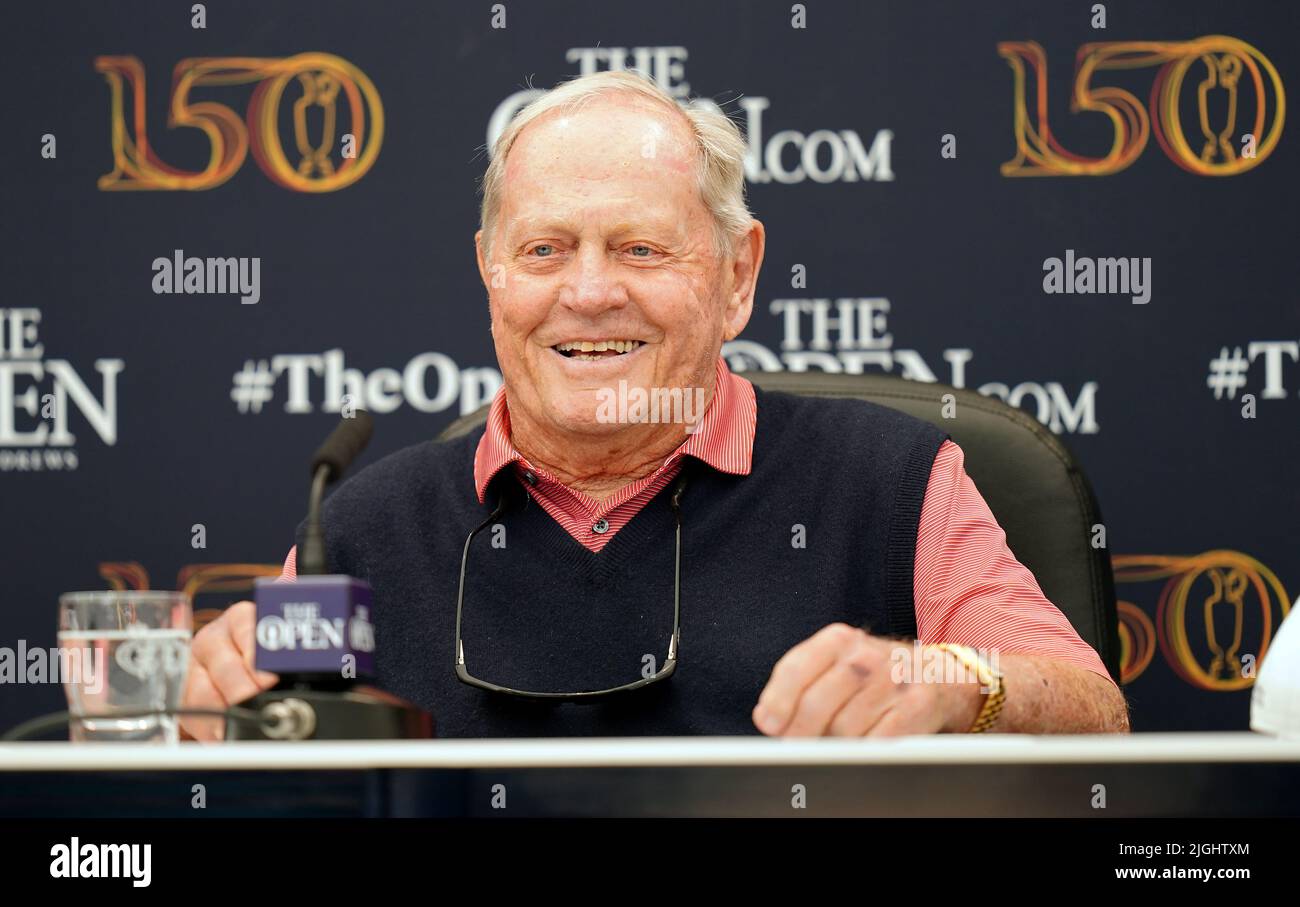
<point>989,678</point>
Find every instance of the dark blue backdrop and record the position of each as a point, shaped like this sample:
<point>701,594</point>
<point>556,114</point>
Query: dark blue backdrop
<point>381,272</point>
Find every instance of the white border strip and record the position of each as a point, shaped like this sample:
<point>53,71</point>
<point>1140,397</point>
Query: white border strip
<point>649,752</point>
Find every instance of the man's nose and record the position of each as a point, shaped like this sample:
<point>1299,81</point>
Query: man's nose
<point>592,283</point>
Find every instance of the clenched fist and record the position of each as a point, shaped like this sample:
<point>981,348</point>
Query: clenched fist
<point>839,682</point>
<point>221,670</point>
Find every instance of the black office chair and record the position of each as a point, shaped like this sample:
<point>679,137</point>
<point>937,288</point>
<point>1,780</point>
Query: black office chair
<point>1030,480</point>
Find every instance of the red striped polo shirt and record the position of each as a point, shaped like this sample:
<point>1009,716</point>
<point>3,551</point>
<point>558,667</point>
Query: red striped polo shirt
<point>967,585</point>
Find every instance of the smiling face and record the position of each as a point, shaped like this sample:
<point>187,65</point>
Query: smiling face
<point>603,268</point>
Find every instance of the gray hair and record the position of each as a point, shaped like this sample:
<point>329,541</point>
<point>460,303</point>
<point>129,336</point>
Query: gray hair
<point>720,147</point>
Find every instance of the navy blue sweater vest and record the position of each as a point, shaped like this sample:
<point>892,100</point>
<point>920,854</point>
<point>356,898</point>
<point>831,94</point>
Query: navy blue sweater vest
<point>823,529</point>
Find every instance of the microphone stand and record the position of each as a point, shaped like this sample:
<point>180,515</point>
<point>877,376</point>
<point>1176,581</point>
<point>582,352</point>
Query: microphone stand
<point>329,706</point>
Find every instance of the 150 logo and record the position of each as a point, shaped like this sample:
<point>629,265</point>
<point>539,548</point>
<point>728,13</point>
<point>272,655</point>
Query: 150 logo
<point>1231,73</point>
<point>323,81</point>
<point>1215,615</point>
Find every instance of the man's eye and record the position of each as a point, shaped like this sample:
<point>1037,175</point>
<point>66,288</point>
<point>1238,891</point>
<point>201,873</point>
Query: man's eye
<point>543,250</point>
<point>641,251</point>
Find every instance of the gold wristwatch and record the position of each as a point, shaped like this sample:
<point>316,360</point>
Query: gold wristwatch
<point>990,679</point>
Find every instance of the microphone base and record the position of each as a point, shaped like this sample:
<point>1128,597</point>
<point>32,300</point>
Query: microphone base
<point>361,713</point>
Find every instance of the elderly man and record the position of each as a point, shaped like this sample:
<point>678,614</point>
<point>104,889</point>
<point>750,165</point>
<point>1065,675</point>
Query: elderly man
<point>634,567</point>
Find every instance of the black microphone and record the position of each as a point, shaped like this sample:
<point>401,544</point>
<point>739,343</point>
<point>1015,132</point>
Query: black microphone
<point>328,465</point>
<point>316,634</point>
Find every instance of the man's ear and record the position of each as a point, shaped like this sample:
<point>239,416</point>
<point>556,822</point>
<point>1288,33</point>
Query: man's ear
<point>744,280</point>
<point>482,259</point>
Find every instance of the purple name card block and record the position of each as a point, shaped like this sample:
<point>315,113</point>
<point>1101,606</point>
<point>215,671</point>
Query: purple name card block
<point>316,625</point>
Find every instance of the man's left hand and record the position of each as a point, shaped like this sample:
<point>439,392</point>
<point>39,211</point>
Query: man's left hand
<point>840,682</point>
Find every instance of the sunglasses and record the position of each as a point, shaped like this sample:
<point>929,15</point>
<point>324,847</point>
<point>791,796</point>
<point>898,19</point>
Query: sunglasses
<point>670,663</point>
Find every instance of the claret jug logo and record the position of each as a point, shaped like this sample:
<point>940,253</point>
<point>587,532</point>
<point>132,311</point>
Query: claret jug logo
<point>1225,83</point>
<point>1215,615</point>
<point>333,150</point>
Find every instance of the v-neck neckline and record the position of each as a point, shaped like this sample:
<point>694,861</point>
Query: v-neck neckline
<point>654,517</point>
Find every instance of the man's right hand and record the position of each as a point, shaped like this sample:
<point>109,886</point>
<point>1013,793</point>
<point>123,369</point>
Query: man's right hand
<point>221,670</point>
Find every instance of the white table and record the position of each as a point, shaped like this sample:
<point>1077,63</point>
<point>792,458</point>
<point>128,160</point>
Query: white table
<point>1012,775</point>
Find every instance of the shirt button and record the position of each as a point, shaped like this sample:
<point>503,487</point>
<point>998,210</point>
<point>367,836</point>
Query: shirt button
<point>530,478</point>
<point>601,526</point>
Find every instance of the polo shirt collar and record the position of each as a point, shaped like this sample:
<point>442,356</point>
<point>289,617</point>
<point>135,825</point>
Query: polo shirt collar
<point>725,440</point>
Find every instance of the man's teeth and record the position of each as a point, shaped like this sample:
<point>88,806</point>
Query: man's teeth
<point>588,346</point>
<point>577,347</point>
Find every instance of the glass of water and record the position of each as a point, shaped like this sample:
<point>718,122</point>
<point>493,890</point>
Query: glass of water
<point>124,652</point>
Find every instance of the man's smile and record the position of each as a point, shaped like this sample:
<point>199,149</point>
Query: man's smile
<point>590,350</point>
<point>586,359</point>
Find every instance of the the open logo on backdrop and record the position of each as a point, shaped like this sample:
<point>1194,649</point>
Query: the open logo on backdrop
<point>39,394</point>
<point>1230,103</point>
<point>333,150</point>
<point>789,157</point>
